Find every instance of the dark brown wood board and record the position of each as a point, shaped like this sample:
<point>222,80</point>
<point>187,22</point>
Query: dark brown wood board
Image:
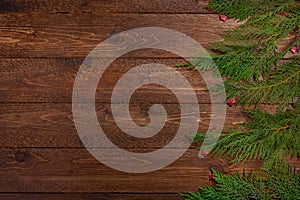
<point>104,6</point>
<point>42,45</point>
<point>51,125</point>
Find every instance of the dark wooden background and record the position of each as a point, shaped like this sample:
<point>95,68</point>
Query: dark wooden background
<point>42,45</point>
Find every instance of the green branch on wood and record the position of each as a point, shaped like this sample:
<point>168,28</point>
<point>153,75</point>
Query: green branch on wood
<point>250,60</point>
<point>265,136</point>
<point>282,88</point>
<point>278,182</point>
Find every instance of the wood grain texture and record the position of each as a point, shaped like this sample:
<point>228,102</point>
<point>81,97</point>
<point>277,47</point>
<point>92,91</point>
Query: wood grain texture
<point>52,80</point>
<point>90,196</point>
<point>51,125</point>
<point>75,170</point>
<point>42,45</point>
<point>61,170</point>
<point>75,35</point>
<point>104,6</point>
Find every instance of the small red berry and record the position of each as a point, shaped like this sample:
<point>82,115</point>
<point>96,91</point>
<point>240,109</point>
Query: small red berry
<point>231,101</point>
<point>211,177</point>
<point>285,127</point>
<point>294,49</point>
<point>204,153</point>
<point>222,18</point>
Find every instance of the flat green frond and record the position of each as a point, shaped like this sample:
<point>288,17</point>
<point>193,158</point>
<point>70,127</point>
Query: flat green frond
<point>266,137</point>
<point>256,9</point>
<point>249,58</point>
<point>279,182</point>
<point>250,50</point>
<point>281,88</point>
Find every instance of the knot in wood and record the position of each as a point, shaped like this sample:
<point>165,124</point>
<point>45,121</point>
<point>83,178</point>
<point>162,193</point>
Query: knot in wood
<point>21,156</point>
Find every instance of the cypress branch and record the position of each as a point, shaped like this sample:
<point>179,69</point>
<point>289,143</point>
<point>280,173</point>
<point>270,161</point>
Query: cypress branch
<point>250,62</point>
<point>278,182</point>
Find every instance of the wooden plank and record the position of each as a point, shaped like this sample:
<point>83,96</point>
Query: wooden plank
<point>51,125</point>
<point>52,80</point>
<point>103,6</point>
<point>75,35</point>
<point>74,170</point>
<point>102,196</point>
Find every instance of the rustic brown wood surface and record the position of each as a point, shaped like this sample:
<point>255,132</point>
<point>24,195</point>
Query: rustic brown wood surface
<point>42,45</point>
<point>51,80</point>
<point>51,125</point>
<point>75,35</point>
<point>103,6</point>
